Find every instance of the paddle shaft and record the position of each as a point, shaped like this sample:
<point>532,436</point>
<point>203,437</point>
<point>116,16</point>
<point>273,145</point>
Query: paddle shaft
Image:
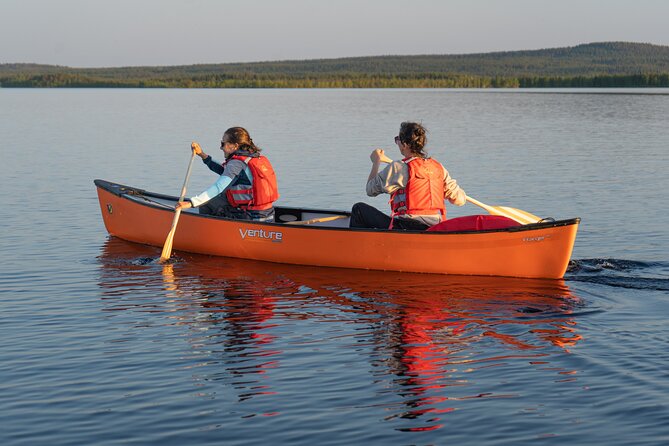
<point>167,248</point>
<point>522,217</point>
<point>481,205</point>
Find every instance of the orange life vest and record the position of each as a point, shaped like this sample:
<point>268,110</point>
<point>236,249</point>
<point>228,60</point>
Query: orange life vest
<point>424,192</point>
<point>262,193</point>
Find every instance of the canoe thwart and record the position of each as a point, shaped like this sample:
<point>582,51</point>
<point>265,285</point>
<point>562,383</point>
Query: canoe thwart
<point>315,220</point>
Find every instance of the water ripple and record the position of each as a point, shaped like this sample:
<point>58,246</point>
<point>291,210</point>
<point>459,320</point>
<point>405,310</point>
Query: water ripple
<point>621,273</point>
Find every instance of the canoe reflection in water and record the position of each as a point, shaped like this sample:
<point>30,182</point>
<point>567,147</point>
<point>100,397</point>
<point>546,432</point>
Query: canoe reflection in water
<point>430,343</point>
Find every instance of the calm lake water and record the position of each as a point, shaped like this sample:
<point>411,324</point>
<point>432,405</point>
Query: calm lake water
<point>99,344</point>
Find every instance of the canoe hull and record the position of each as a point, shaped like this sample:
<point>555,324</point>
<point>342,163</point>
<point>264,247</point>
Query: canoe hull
<point>536,251</point>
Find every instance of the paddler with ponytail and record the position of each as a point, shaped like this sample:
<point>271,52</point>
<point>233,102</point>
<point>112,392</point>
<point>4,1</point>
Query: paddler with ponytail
<point>246,188</point>
<point>418,186</point>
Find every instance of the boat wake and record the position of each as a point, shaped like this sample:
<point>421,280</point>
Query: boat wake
<point>620,273</point>
<point>145,261</point>
<point>141,261</point>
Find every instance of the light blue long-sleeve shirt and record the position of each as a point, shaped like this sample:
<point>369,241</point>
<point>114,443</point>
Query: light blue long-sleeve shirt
<point>230,173</point>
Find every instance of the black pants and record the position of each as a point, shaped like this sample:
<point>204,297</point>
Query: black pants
<point>366,216</point>
<point>221,208</point>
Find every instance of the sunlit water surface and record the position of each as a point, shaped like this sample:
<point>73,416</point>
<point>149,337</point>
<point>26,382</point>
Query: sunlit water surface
<point>100,344</point>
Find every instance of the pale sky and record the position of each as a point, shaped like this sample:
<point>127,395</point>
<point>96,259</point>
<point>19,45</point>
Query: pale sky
<point>104,33</point>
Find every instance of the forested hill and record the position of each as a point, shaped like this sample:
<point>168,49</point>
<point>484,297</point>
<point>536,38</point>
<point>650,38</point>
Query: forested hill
<point>608,64</point>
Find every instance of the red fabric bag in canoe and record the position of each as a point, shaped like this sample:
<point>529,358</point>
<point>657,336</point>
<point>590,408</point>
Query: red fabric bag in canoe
<point>474,223</point>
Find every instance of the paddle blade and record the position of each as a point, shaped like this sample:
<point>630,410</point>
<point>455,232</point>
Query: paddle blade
<point>167,248</point>
<point>522,217</point>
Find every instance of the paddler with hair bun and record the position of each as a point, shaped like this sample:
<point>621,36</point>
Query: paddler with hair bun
<point>418,186</point>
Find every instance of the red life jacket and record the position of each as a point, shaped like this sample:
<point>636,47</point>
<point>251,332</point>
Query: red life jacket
<point>424,192</point>
<point>262,193</point>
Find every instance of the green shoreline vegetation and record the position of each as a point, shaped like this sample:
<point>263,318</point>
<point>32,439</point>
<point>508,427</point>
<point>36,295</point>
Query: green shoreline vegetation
<point>595,65</point>
<point>352,81</point>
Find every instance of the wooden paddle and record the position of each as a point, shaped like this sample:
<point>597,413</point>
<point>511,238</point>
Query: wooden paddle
<point>518,215</point>
<point>167,248</point>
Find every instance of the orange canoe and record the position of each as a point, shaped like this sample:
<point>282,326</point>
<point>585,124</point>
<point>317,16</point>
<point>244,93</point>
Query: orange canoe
<point>322,238</point>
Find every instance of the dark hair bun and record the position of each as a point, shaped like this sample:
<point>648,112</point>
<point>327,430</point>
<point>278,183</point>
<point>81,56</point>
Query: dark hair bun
<point>414,135</point>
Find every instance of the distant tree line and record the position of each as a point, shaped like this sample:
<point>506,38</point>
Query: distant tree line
<point>602,81</point>
<point>607,64</point>
<point>428,80</point>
